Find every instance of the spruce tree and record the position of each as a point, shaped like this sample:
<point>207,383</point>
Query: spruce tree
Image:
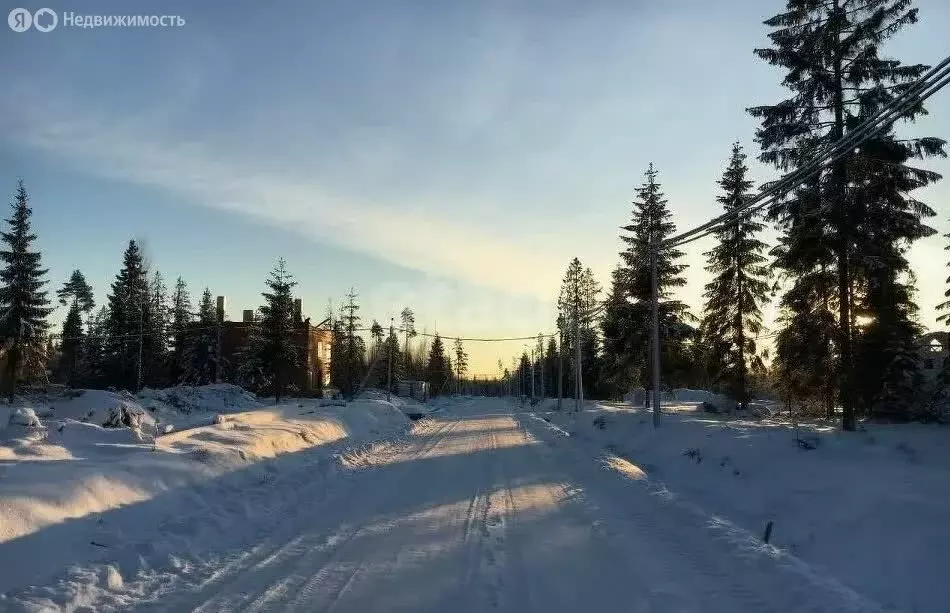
<point>271,351</point>
<point>437,367</point>
<point>523,374</point>
<point>578,301</point>
<point>378,357</point>
<point>180,319</point>
<point>75,293</point>
<point>944,307</point>
<point>805,345</point>
<point>622,361</point>
<point>392,352</point>
<point>200,352</point>
<point>943,379</point>
<point>338,352</point>
<point>159,311</point>
<point>128,343</point>
<point>461,363</point>
<point>71,346</point>
<point>408,320</point>
<point>733,315</point>
<point>831,52</point>
<point>650,225</point>
<point>23,302</point>
<point>550,368</point>
<point>354,348</point>
<point>376,331</point>
<point>93,353</point>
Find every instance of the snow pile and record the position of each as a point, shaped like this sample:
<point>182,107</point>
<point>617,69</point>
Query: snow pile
<point>883,491</point>
<point>24,416</point>
<point>186,399</point>
<point>94,406</point>
<point>71,469</point>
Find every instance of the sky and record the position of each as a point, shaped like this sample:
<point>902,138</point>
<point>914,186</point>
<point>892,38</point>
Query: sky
<point>449,156</point>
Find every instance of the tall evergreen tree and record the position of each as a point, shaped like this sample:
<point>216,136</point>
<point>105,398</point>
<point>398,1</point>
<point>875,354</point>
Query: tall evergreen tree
<point>944,307</point>
<point>75,293</point>
<point>733,315</point>
<point>93,353</point>
<point>550,368</point>
<point>180,319</point>
<point>622,360</point>
<point>943,381</point>
<point>200,359</point>
<point>156,364</point>
<point>437,368</point>
<point>577,301</point>
<point>338,359</point>
<point>523,375</point>
<point>23,302</point>
<point>408,320</point>
<point>70,347</point>
<point>461,363</point>
<point>376,331</point>
<point>392,355</point>
<point>129,345</point>
<point>377,357</point>
<point>831,53</point>
<point>271,351</point>
<point>628,314</point>
<point>351,355</point>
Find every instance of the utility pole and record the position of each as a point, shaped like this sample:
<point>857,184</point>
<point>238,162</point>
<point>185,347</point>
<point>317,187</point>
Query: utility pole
<point>389,369</point>
<point>654,256</point>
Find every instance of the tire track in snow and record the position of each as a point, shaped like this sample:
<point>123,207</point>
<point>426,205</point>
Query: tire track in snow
<point>337,580</point>
<point>229,588</point>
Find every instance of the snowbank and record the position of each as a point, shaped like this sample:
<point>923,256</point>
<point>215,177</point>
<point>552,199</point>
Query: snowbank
<point>883,491</point>
<point>70,469</point>
<point>186,399</point>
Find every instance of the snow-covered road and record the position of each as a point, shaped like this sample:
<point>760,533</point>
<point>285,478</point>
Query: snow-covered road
<point>481,510</point>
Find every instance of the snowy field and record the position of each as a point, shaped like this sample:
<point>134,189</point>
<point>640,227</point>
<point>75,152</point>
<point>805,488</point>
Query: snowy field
<point>870,508</point>
<point>247,506</point>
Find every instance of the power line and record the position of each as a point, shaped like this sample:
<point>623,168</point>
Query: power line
<point>931,82</point>
<point>232,324</point>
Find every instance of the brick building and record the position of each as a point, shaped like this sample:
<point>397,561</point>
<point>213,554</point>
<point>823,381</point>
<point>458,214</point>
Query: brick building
<point>313,343</point>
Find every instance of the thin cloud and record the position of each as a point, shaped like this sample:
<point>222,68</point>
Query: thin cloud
<point>128,151</point>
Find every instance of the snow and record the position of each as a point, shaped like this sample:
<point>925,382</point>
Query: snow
<point>688,395</point>
<point>72,490</point>
<point>870,507</point>
<point>479,505</point>
<point>24,416</point>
